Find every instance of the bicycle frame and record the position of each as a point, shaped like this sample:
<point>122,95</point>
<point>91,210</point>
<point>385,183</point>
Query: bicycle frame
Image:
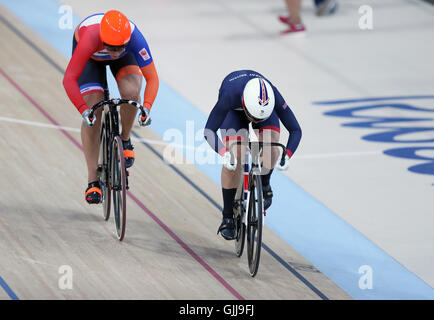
<point>113,114</point>
<point>252,164</point>
<point>249,212</point>
<point>115,175</point>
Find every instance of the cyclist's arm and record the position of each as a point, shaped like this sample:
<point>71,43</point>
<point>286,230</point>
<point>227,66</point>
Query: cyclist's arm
<point>152,84</point>
<point>215,120</point>
<point>288,119</point>
<point>140,48</point>
<point>83,51</point>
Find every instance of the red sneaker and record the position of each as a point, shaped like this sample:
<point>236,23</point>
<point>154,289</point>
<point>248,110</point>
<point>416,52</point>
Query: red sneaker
<point>294,28</point>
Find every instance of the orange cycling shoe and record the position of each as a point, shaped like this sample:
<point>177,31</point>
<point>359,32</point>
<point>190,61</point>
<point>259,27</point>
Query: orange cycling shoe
<point>128,153</point>
<point>93,193</point>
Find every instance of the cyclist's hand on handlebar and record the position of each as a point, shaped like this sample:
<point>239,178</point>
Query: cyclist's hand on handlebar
<point>227,161</point>
<point>283,166</point>
<point>87,120</point>
<point>144,118</point>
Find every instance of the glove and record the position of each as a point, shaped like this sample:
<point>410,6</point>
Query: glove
<point>227,161</point>
<point>144,119</point>
<point>285,164</point>
<point>88,122</point>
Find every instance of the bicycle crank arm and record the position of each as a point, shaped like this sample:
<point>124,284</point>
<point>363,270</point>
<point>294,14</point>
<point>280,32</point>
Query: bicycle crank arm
<point>126,180</point>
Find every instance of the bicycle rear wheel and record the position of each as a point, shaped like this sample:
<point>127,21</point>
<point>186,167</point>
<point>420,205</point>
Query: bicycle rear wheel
<point>118,186</point>
<point>254,224</point>
<point>104,169</point>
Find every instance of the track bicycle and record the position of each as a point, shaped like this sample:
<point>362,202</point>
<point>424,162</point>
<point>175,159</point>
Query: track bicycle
<point>249,196</point>
<point>112,173</point>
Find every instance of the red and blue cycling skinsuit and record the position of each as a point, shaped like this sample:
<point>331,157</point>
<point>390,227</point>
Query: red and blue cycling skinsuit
<point>86,70</point>
<point>229,116</point>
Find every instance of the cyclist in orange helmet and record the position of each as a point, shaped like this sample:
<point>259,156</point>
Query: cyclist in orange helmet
<point>112,40</point>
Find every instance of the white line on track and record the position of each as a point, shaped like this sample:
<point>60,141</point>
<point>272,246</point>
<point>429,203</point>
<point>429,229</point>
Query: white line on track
<point>38,124</point>
<point>339,154</point>
<point>162,143</point>
<point>52,126</point>
<point>37,262</point>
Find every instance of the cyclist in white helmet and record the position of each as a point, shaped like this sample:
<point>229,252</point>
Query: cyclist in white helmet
<point>246,97</point>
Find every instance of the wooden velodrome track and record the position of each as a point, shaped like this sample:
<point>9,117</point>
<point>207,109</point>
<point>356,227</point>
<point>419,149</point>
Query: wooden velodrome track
<point>171,250</point>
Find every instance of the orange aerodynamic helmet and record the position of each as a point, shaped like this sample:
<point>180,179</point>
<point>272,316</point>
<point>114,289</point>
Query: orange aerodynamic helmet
<point>115,29</point>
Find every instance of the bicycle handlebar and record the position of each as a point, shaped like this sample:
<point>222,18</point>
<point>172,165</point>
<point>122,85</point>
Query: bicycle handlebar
<point>116,102</point>
<point>261,144</point>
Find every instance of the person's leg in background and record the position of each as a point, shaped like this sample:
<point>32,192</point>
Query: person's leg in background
<point>293,20</point>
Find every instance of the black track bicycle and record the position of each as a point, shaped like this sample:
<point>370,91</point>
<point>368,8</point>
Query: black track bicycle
<point>249,205</point>
<point>112,173</point>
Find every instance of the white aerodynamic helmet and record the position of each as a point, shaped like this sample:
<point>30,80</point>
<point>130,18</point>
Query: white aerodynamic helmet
<point>258,99</point>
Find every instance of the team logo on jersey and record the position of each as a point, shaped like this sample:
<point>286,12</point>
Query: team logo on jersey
<point>264,99</point>
<point>145,55</point>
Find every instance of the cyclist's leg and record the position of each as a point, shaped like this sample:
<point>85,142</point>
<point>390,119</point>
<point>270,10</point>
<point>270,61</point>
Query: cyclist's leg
<point>129,88</point>
<point>234,128</point>
<point>90,83</point>
<point>90,137</point>
<point>129,80</point>
<point>268,131</point>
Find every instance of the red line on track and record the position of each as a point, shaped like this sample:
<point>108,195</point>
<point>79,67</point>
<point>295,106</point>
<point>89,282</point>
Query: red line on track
<point>131,195</point>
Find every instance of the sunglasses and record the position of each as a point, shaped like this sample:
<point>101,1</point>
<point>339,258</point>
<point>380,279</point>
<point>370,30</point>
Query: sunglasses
<point>115,48</point>
<point>251,118</point>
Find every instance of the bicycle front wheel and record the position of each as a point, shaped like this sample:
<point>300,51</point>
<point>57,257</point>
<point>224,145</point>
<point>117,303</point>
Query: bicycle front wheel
<point>254,224</point>
<point>118,185</point>
<point>104,170</point>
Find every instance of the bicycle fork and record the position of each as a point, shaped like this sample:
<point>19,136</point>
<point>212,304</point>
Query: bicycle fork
<point>117,187</point>
<point>246,181</point>
<point>256,167</point>
<point>246,193</point>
